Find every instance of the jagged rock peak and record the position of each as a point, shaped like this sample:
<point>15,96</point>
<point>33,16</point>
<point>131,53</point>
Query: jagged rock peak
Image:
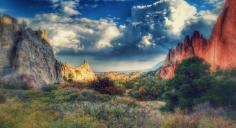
<point>219,51</point>
<point>83,73</point>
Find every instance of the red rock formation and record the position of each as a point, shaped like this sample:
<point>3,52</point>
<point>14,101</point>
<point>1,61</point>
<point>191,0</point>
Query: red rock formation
<point>219,51</point>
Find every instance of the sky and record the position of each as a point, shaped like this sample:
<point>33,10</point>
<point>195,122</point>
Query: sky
<point>115,35</point>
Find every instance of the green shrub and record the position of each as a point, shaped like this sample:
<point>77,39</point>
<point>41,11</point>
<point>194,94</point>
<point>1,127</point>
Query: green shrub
<point>193,84</point>
<point>145,93</point>
<point>106,86</point>
<point>147,88</point>
<point>49,88</point>
<point>223,93</point>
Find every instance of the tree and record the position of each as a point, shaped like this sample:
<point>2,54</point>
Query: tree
<point>191,81</point>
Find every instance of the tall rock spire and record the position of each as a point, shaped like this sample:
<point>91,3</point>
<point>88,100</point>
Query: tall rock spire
<point>219,51</point>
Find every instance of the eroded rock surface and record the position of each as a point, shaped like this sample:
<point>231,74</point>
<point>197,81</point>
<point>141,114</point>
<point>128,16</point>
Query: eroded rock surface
<point>26,58</point>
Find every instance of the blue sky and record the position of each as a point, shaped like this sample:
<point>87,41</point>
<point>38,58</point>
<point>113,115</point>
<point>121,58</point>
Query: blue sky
<point>115,35</point>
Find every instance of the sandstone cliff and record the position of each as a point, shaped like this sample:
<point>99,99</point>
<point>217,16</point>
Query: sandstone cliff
<point>83,73</point>
<point>26,58</point>
<point>219,51</point>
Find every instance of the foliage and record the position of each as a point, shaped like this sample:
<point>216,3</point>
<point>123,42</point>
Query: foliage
<point>147,87</point>
<point>222,93</point>
<point>194,120</point>
<point>107,86</point>
<point>75,108</point>
<point>193,84</point>
<point>67,108</point>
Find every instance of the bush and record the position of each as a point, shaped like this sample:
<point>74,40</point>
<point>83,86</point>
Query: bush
<point>223,93</point>
<point>145,93</point>
<point>193,84</point>
<point>2,99</point>
<point>147,88</point>
<point>106,86</point>
<point>49,88</point>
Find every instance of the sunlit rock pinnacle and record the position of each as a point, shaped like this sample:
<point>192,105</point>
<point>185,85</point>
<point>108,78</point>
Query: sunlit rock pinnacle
<point>83,73</point>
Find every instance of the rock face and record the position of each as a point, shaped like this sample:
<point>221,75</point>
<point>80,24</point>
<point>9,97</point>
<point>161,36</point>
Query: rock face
<point>26,58</point>
<point>219,51</point>
<point>83,73</point>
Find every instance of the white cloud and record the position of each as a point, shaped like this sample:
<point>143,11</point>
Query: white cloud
<point>212,1</point>
<point>180,14</point>
<point>207,16</point>
<point>77,34</point>
<point>146,42</point>
<point>110,33</point>
<point>69,8</point>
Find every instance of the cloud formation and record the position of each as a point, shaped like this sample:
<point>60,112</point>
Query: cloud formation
<point>180,14</point>
<point>69,7</point>
<point>76,35</point>
<point>149,31</point>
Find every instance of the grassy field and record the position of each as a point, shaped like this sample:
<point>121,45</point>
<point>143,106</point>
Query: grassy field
<point>85,108</point>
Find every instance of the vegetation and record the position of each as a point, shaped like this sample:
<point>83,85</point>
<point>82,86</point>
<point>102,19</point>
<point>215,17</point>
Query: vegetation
<point>147,87</point>
<point>209,99</point>
<point>75,108</point>
<point>194,120</point>
<point>193,84</point>
<point>107,86</point>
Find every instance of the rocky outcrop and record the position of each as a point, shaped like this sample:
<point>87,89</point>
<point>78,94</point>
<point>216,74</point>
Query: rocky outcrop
<point>83,73</point>
<point>26,58</point>
<point>219,51</point>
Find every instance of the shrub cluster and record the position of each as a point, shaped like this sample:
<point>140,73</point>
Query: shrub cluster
<point>193,84</point>
<point>146,87</point>
<point>106,86</point>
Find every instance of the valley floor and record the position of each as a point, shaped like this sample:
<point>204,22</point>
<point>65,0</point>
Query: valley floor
<point>75,108</point>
